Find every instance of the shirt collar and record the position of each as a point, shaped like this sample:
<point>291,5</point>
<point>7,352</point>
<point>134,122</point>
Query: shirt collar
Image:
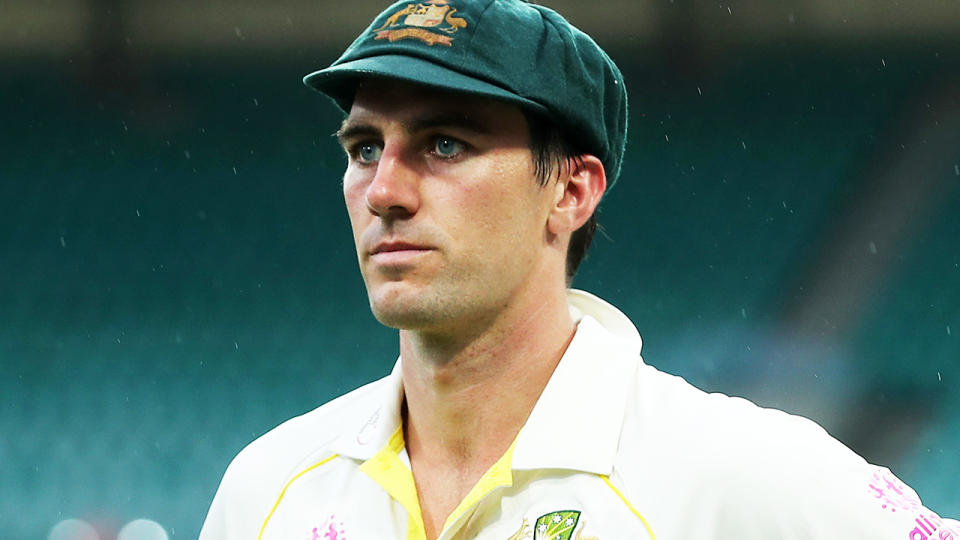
<point>577,420</point>
<point>370,428</point>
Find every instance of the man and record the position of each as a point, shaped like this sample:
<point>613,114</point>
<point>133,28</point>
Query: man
<point>480,137</point>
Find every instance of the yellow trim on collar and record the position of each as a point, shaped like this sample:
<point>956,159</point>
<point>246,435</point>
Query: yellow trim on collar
<point>386,469</point>
<point>500,474</point>
<point>393,475</point>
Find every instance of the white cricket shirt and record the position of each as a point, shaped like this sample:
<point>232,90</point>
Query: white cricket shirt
<point>613,449</point>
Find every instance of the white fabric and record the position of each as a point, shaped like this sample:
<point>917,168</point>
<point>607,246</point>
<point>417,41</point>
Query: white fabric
<point>695,466</point>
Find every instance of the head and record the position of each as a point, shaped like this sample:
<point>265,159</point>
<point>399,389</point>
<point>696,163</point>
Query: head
<point>566,94</point>
<point>450,221</point>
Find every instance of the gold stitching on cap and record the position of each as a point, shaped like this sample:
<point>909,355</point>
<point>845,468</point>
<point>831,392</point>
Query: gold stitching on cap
<point>416,18</point>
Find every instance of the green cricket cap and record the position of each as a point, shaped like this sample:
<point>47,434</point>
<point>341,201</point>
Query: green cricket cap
<point>509,50</point>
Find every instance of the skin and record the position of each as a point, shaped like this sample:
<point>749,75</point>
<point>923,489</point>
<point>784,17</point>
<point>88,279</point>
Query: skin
<point>464,253</point>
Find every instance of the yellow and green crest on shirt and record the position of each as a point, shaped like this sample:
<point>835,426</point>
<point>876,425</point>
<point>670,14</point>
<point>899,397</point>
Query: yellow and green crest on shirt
<point>557,525</point>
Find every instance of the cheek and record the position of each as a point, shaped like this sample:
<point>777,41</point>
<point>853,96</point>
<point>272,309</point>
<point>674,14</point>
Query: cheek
<point>354,198</point>
<point>507,208</point>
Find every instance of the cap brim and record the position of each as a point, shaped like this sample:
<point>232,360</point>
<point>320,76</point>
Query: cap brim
<point>340,82</point>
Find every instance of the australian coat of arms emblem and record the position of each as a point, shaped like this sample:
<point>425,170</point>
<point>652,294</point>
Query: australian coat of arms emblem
<point>424,21</point>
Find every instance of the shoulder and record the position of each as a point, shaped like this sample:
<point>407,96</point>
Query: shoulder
<point>718,438</point>
<point>280,450</point>
<point>756,472</point>
<point>259,472</point>
<point>733,425</point>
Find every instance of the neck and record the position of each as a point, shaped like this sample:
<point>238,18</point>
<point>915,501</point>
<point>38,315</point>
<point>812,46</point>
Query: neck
<point>468,395</point>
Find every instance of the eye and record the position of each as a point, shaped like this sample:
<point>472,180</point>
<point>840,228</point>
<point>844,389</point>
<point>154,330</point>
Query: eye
<point>367,152</point>
<point>448,147</point>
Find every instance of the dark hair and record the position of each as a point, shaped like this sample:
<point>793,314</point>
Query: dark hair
<point>552,151</point>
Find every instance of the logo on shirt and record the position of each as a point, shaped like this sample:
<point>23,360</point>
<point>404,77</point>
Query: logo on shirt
<point>557,525</point>
<point>931,528</point>
<point>330,530</point>
<point>893,495</point>
<point>422,21</point>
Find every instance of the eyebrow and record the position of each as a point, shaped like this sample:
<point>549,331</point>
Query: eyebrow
<point>349,131</point>
<point>447,119</point>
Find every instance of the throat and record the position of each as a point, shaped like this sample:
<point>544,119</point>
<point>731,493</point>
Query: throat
<point>454,480</point>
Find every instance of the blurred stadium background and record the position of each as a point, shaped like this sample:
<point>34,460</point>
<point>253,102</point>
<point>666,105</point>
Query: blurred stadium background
<point>177,274</point>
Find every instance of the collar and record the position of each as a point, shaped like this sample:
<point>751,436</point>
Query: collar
<point>372,424</point>
<point>574,425</point>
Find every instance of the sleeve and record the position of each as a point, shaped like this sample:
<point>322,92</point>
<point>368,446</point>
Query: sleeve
<point>799,483</point>
<point>217,524</point>
<point>909,518</point>
<point>214,526</point>
<point>242,500</point>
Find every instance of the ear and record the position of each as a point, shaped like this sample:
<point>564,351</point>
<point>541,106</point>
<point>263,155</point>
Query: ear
<point>578,192</point>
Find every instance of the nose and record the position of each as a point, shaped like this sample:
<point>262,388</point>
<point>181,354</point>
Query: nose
<point>394,190</point>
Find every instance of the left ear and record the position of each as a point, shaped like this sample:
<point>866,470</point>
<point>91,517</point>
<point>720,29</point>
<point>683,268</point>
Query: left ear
<point>578,192</point>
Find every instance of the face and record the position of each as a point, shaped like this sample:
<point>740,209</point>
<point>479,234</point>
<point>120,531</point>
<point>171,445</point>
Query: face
<point>448,220</point>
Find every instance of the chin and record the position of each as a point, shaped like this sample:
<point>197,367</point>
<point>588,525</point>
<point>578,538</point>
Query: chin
<point>398,308</point>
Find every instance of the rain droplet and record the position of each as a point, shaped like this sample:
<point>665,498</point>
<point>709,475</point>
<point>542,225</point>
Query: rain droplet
<point>948,330</point>
<point>236,29</point>
<point>744,144</point>
<point>699,91</point>
<point>186,153</point>
<point>138,213</point>
<point>667,137</point>
<point>884,62</point>
<point>938,377</point>
<point>234,170</point>
<point>956,169</point>
<point>743,312</point>
<point>873,248</point>
<point>63,242</point>
<point>255,102</point>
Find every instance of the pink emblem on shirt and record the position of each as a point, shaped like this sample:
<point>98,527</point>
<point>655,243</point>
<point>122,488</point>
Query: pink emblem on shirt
<point>330,530</point>
<point>892,493</point>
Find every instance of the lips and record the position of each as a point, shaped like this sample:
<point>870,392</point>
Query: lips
<point>397,254</point>
<point>392,247</point>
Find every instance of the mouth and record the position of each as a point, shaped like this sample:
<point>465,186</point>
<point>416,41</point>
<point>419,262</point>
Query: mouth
<point>397,252</point>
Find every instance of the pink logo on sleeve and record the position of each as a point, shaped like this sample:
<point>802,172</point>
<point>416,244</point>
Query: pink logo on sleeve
<point>931,528</point>
<point>893,495</point>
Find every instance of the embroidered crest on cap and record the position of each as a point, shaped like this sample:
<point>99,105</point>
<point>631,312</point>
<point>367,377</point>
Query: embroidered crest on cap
<point>414,21</point>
